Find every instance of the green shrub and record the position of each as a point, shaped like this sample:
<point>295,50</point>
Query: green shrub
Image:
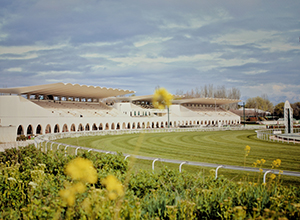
<point>30,182</point>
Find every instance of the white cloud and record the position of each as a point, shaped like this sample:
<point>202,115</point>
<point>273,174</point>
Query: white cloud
<point>47,73</point>
<point>151,40</point>
<point>19,50</point>
<point>15,69</point>
<point>254,72</point>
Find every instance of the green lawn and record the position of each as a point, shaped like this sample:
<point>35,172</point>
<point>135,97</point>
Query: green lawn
<point>221,147</point>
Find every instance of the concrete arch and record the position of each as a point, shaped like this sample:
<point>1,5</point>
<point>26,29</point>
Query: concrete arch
<point>100,126</point>
<point>157,124</point>
<point>118,126</point>
<point>143,125</point>
<point>112,126</point>
<point>162,124</point>
<point>87,127</point>
<point>106,126</point>
<point>94,127</point>
<point>48,129</point>
<point>38,129</point>
<point>29,130</point>
<point>73,128</point>
<point>124,125</point>
<point>133,125</point>
<point>80,127</point>
<point>56,128</point>
<point>20,130</point>
<point>138,125</point>
<point>128,125</point>
<point>65,128</point>
<point>152,125</point>
<point>148,124</point>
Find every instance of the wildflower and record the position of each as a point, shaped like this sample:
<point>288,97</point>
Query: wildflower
<point>162,98</point>
<point>276,163</point>
<point>273,176</point>
<point>113,186</point>
<point>81,169</point>
<point>263,161</point>
<point>33,184</point>
<point>255,164</point>
<point>247,150</point>
<point>11,179</point>
<point>261,170</point>
<point>258,161</point>
<point>68,195</point>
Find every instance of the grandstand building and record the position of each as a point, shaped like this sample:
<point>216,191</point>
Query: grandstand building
<point>60,107</point>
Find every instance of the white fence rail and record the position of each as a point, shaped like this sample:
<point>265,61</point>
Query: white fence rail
<point>278,135</point>
<point>49,138</point>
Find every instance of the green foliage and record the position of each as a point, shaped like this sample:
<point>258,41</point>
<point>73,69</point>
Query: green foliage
<point>262,103</point>
<point>30,181</point>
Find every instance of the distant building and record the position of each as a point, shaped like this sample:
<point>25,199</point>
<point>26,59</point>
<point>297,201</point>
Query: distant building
<point>60,107</point>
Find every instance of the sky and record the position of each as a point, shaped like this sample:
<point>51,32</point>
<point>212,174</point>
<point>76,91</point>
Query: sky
<point>139,45</point>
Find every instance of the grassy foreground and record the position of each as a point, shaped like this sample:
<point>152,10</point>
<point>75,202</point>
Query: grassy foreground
<point>39,185</point>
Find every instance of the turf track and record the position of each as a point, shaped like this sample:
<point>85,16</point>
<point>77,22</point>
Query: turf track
<point>222,147</point>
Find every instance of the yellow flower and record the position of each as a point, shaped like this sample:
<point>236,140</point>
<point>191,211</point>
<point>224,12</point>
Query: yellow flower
<point>258,161</point>
<point>81,169</point>
<point>263,161</point>
<point>162,98</point>
<point>276,163</point>
<point>255,164</point>
<point>79,187</point>
<point>247,148</point>
<point>113,186</point>
<point>261,170</point>
<point>68,196</point>
<point>273,176</point>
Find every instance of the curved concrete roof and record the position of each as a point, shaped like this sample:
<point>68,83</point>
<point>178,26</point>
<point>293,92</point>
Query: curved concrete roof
<point>206,101</point>
<point>180,100</point>
<point>67,90</point>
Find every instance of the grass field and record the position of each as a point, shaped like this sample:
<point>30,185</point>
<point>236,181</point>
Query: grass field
<point>221,147</point>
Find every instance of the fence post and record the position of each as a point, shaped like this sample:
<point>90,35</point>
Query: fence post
<point>181,166</point>
<point>269,171</point>
<point>51,146</point>
<point>66,150</point>
<point>76,150</point>
<point>153,163</point>
<point>217,171</point>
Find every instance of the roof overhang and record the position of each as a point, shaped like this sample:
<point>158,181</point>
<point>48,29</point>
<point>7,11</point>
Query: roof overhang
<point>179,100</point>
<point>147,98</point>
<point>206,101</point>
<point>67,90</point>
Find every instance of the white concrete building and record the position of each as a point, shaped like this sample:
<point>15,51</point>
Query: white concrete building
<point>60,107</point>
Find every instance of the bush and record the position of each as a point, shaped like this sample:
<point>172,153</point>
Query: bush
<point>31,182</point>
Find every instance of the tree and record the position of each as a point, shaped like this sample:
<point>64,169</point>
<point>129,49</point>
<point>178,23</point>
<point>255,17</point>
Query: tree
<point>296,110</point>
<point>279,110</point>
<point>262,103</point>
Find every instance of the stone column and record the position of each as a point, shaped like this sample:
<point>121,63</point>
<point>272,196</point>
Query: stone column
<point>288,118</point>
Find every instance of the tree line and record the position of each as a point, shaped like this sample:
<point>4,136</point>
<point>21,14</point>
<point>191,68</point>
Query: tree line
<point>210,91</point>
<point>263,103</point>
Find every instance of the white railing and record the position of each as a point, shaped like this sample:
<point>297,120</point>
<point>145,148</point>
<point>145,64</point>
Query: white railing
<point>274,135</point>
<point>50,137</point>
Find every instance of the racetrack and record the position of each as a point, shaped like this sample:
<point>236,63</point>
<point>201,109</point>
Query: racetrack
<point>220,147</point>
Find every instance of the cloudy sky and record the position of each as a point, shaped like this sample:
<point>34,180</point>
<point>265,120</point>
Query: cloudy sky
<point>139,45</point>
